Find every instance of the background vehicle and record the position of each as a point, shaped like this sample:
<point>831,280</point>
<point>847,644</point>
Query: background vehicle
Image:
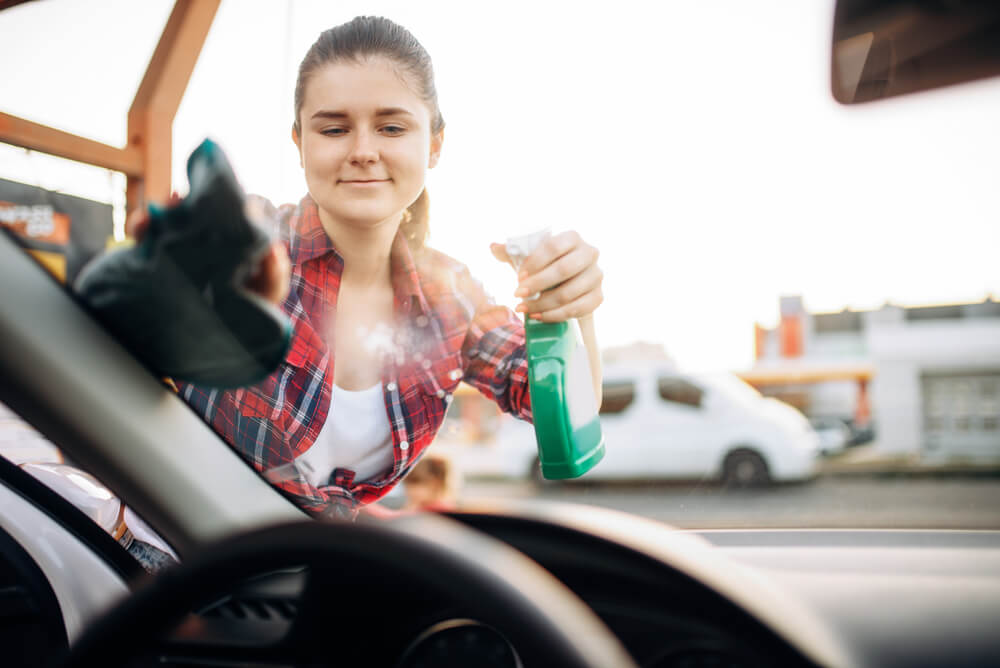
<point>834,434</point>
<point>663,424</point>
<point>861,435</point>
<point>21,444</point>
<point>706,426</point>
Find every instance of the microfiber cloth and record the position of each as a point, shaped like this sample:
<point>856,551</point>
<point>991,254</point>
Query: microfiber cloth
<point>177,298</point>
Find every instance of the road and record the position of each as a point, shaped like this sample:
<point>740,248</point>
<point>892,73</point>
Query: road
<point>827,502</point>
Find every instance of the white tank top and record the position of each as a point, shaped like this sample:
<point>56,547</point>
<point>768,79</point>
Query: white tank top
<point>355,436</point>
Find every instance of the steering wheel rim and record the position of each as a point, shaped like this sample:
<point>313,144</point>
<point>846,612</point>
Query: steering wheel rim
<point>500,586</point>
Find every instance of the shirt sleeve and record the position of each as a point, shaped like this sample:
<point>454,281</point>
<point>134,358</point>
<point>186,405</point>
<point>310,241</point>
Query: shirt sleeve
<point>494,351</point>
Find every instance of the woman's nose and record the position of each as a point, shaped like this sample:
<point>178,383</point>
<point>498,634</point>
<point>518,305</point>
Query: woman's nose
<point>364,151</point>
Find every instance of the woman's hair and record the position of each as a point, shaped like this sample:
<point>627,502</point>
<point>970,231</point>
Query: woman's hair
<point>373,36</point>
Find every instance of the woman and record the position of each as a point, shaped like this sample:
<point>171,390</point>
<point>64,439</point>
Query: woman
<point>384,327</point>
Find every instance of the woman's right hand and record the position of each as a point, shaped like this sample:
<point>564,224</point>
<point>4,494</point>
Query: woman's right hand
<point>272,277</point>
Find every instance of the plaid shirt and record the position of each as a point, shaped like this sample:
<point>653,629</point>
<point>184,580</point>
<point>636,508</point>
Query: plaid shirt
<point>447,330</point>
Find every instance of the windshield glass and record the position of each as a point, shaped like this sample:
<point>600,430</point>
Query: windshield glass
<point>716,225</point>
<point>732,387</point>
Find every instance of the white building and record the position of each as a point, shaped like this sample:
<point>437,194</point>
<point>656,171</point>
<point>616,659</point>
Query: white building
<point>928,376</point>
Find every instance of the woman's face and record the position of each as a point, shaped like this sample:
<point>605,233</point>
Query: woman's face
<point>365,142</point>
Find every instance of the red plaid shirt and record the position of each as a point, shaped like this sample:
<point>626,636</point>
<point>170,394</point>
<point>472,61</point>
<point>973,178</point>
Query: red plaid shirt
<point>447,330</point>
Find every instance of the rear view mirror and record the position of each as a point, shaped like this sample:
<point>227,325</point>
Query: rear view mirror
<point>883,48</point>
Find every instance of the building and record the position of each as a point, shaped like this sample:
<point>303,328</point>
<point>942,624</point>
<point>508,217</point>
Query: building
<point>60,231</point>
<point>928,377</point>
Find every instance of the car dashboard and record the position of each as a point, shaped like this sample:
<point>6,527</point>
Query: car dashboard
<point>876,598</point>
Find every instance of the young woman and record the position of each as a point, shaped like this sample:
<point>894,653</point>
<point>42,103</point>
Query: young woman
<point>384,327</point>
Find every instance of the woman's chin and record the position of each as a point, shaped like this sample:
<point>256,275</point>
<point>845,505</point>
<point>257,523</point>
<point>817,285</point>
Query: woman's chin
<point>368,219</point>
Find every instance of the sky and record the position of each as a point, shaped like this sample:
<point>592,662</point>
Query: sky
<point>696,144</point>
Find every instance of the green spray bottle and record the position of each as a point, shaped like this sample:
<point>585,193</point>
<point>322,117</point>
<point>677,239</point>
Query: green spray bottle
<point>564,409</point>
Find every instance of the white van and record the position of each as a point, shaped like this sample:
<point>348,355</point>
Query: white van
<point>661,423</point>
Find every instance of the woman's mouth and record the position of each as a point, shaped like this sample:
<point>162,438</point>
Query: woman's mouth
<point>363,182</point>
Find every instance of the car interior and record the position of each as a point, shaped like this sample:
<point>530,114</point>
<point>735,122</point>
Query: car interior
<point>500,583</point>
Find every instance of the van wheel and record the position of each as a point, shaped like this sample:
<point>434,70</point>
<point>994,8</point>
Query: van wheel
<point>745,468</point>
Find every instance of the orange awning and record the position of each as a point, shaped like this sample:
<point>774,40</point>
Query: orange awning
<point>799,374</point>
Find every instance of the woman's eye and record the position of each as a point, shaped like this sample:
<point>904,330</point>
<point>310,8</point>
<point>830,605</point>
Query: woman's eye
<point>333,132</point>
<point>393,130</point>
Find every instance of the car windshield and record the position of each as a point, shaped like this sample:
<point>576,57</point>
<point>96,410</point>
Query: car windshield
<point>732,387</point>
<point>756,240</point>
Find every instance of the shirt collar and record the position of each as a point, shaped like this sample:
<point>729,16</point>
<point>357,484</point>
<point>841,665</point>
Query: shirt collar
<point>308,240</point>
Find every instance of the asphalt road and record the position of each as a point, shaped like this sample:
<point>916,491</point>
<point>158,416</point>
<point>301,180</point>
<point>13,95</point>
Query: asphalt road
<point>827,502</point>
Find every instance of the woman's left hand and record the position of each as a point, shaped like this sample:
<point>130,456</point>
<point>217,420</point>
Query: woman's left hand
<point>563,268</point>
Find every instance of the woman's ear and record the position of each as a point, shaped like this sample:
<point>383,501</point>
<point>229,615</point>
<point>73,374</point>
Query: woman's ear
<point>437,139</point>
<point>298,144</point>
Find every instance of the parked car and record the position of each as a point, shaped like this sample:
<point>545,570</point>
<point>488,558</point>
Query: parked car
<point>21,444</point>
<point>834,434</point>
<point>861,434</point>
<point>661,423</point>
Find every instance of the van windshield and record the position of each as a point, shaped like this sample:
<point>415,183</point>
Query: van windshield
<point>732,388</point>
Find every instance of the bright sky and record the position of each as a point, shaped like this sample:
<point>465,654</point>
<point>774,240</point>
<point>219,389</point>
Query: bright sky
<point>695,143</point>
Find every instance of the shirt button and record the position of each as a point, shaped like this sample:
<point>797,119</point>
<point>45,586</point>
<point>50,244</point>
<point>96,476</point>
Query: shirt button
<point>391,387</point>
<point>426,364</point>
<point>448,398</point>
<point>422,321</point>
<point>403,445</point>
<point>455,374</point>
<point>440,394</point>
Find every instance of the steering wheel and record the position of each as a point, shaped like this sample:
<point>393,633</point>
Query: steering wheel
<point>539,616</point>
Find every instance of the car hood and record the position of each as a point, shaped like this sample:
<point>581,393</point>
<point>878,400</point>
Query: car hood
<point>780,412</point>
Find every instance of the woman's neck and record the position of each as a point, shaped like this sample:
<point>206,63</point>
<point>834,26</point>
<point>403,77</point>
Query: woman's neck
<point>365,251</point>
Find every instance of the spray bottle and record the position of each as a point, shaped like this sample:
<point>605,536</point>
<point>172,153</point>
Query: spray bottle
<point>567,426</point>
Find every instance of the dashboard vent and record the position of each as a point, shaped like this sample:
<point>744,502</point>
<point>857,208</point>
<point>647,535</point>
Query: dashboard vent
<point>264,609</point>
